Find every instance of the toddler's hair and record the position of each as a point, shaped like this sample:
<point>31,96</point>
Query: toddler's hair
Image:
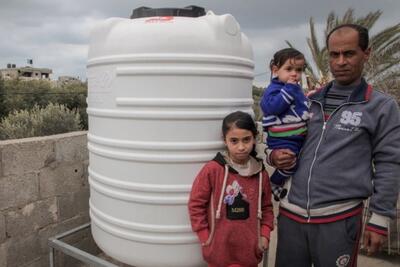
<point>241,120</point>
<point>281,56</point>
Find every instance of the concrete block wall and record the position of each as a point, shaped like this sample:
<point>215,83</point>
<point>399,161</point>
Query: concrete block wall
<point>44,191</point>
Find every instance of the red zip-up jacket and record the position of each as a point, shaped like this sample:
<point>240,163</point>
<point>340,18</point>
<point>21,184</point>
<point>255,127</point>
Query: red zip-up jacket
<point>228,213</point>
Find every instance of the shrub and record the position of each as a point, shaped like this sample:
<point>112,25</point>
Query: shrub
<point>19,124</point>
<point>53,119</point>
<point>3,108</point>
<point>19,94</point>
<point>73,96</point>
<point>257,95</point>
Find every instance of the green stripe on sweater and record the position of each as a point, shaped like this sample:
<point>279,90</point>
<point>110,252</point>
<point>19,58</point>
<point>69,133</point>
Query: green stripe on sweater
<point>288,133</point>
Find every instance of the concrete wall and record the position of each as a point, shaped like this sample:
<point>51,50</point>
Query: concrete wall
<point>43,191</point>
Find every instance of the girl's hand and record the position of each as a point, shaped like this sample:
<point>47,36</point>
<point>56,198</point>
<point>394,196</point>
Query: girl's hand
<point>264,243</point>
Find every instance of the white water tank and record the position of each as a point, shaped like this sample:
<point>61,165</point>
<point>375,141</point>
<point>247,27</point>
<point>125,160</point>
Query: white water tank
<point>159,86</point>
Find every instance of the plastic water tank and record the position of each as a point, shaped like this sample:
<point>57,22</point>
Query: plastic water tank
<point>160,84</point>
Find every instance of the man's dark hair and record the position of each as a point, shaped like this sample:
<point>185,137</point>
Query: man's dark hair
<point>363,36</point>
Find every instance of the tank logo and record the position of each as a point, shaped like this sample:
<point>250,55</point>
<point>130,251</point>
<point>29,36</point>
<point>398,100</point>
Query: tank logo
<point>99,85</point>
<point>343,260</point>
<point>160,19</point>
<point>100,81</point>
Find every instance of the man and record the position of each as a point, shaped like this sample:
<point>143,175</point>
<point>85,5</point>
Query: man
<point>352,151</point>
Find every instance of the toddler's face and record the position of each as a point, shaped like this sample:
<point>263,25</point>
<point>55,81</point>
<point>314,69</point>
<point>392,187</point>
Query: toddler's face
<point>290,71</point>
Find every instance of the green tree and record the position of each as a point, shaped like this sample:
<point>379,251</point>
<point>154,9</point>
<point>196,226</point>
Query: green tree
<point>257,95</point>
<point>382,70</point>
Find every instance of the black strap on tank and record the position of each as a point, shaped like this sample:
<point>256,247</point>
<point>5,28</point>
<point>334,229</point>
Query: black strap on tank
<point>189,11</point>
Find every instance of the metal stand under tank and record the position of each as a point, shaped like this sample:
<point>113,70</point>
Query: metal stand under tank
<point>56,243</point>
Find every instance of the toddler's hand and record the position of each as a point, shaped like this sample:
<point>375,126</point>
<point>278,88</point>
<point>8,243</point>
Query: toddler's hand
<point>293,81</point>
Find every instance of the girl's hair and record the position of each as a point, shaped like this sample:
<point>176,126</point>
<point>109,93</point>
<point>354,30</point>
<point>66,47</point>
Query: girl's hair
<point>281,56</point>
<point>240,120</point>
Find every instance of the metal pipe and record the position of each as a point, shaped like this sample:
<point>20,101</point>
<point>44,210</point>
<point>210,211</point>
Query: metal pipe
<point>51,255</point>
<point>74,252</point>
<point>72,231</point>
<point>265,259</point>
<point>80,254</point>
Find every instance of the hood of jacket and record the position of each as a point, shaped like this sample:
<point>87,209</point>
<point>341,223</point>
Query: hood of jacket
<point>256,164</point>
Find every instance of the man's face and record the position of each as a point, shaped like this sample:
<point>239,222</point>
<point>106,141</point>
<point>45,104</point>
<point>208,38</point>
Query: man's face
<point>346,58</point>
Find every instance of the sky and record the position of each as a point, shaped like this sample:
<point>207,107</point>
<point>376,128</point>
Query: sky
<point>55,33</point>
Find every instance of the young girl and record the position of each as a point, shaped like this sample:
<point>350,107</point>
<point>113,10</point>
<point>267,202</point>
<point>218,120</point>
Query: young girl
<point>285,110</point>
<point>230,204</point>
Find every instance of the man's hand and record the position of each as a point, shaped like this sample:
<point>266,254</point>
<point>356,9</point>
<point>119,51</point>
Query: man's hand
<point>283,159</point>
<point>373,242</point>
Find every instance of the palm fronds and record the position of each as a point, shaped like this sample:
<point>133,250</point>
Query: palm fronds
<point>383,67</point>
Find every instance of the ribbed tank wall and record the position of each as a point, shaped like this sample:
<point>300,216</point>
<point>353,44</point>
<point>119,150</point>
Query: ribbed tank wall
<point>158,91</point>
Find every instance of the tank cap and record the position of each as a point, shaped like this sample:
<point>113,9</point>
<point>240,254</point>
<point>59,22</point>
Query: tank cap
<point>189,11</point>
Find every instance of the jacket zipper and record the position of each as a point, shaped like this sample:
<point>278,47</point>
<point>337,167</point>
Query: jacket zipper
<point>316,150</point>
<point>311,167</point>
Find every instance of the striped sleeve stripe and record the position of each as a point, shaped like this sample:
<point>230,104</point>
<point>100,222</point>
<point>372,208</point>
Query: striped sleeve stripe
<point>270,120</point>
<point>269,117</point>
<point>287,94</point>
<point>285,98</point>
<point>268,123</point>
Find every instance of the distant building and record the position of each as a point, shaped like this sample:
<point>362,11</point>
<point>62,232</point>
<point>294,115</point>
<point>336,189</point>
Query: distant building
<point>26,73</point>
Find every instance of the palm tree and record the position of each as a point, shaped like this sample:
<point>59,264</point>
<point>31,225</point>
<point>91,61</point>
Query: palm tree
<point>257,95</point>
<point>382,70</point>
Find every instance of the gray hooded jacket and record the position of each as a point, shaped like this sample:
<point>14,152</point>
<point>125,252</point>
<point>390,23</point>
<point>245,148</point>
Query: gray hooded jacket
<point>353,154</point>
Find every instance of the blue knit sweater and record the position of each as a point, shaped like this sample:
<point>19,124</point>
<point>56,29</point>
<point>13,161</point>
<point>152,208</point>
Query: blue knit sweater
<point>283,104</point>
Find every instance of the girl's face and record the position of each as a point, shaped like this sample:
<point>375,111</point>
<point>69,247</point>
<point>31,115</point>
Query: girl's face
<point>290,71</point>
<point>240,143</point>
